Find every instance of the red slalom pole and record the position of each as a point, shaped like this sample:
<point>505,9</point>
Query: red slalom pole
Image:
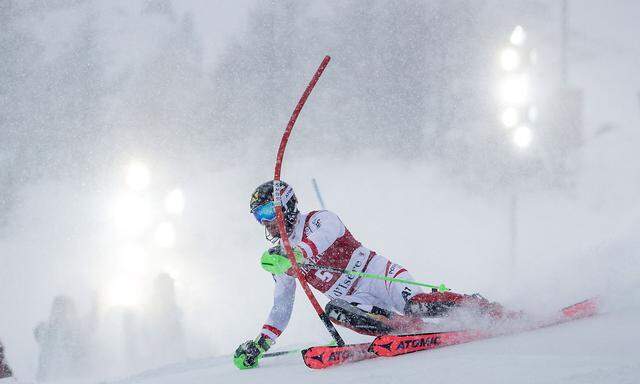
<point>278,204</point>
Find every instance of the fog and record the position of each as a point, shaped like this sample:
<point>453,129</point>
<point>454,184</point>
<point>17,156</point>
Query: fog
<point>403,134</point>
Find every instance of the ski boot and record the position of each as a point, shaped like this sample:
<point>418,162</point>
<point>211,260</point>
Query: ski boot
<point>440,304</point>
<point>373,322</point>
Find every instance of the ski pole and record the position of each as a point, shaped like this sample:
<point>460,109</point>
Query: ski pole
<point>440,288</point>
<point>281,353</point>
<point>290,351</point>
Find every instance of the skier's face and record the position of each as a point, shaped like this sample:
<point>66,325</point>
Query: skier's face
<point>272,227</point>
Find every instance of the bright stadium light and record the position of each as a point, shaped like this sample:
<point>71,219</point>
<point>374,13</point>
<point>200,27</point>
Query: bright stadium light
<point>510,117</point>
<point>509,59</point>
<point>165,235</point>
<point>174,202</point>
<point>132,214</point>
<point>515,89</point>
<point>124,292</point>
<point>518,36</point>
<point>522,137</point>
<point>138,176</point>
<point>132,259</point>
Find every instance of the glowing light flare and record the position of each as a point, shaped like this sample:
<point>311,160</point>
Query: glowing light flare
<point>124,291</point>
<point>132,214</point>
<point>132,259</point>
<point>514,90</point>
<point>138,176</point>
<point>522,137</point>
<point>518,36</point>
<point>510,117</point>
<point>510,59</point>
<point>165,235</point>
<point>174,202</point>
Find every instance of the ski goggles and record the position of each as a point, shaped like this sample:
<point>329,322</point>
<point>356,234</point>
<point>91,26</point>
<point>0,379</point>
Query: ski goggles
<point>265,212</point>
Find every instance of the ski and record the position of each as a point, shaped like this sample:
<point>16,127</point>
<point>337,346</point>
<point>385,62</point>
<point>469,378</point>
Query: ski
<point>395,345</point>
<point>329,356</point>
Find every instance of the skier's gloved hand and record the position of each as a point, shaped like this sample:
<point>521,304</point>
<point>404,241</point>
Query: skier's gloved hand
<point>275,260</point>
<point>249,353</point>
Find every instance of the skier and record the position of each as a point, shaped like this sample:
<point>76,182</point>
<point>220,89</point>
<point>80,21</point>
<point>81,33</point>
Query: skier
<point>367,306</point>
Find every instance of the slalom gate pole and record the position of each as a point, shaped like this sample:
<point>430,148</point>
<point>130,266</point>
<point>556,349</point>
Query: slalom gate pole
<point>440,288</point>
<point>317,189</point>
<point>278,204</point>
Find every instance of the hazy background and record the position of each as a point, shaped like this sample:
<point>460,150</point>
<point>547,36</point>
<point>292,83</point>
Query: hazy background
<point>403,134</point>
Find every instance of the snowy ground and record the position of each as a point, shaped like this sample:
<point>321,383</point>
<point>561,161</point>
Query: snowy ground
<point>602,349</point>
<point>568,251</point>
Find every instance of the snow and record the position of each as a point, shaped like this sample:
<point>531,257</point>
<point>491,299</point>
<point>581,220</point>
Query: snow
<point>401,135</point>
<point>602,349</point>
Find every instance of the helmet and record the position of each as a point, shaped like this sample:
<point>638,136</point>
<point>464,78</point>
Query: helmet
<point>262,206</point>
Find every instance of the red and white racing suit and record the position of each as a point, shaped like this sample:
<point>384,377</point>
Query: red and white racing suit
<point>325,241</point>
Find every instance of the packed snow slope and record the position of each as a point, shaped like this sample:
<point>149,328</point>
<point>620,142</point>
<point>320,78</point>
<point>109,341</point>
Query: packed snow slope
<point>602,349</point>
<point>569,248</point>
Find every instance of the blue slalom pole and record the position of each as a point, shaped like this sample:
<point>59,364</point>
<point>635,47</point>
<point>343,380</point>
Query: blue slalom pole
<point>315,186</point>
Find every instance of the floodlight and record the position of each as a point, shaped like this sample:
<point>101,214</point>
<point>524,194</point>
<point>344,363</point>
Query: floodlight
<point>514,89</point>
<point>124,292</point>
<point>132,259</point>
<point>132,214</point>
<point>138,176</point>
<point>510,59</point>
<point>522,137</point>
<point>510,117</point>
<point>518,36</point>
<point>165,235</point>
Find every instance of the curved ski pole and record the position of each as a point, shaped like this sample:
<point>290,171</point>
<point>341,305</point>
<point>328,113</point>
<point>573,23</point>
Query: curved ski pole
<point>291,351</point>
<point>278,205</point>
<point>280,353</point>
<point>440,288</point>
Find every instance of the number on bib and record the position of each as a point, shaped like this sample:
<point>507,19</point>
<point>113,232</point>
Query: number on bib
<point>325,276</point>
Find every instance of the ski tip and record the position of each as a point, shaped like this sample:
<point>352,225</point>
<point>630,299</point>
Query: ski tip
<point>588,307</point>
<point>327,356</point>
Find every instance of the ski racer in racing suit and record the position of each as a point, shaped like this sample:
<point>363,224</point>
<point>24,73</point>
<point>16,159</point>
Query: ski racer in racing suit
<point>367,306</point>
